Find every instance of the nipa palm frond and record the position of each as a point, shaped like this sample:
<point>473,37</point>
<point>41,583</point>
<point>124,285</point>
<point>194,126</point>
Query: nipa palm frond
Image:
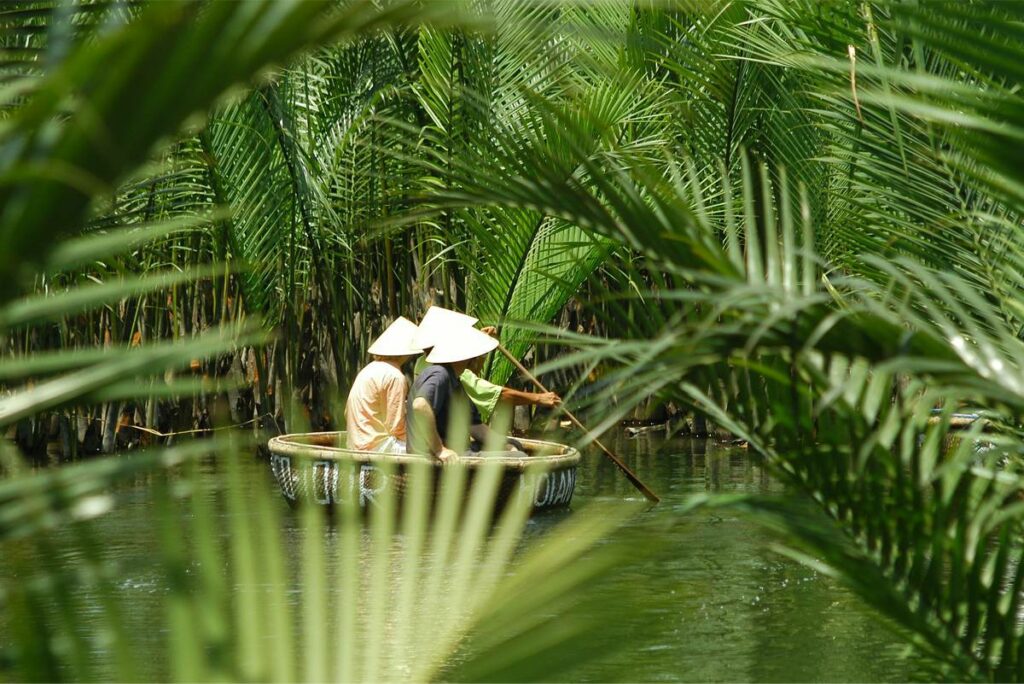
<point>390,597</point>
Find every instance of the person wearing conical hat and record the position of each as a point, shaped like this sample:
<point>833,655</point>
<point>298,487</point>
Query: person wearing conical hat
<point>376,407</point>
<point>485,395</point>
<point>437,400</point>
<point>434,325</point>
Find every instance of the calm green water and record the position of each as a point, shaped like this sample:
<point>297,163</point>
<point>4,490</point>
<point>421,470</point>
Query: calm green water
<point>712,602</point>
<point>717,603</point>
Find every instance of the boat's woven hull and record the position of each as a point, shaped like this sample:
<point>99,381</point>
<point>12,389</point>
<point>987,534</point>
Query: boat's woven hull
<point>311,467</point>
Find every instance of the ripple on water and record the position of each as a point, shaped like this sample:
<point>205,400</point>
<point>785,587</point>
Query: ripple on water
<point>702,597</point>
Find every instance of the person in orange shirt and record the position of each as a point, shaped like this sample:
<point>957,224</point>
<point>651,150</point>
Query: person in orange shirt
<point>375,410</point>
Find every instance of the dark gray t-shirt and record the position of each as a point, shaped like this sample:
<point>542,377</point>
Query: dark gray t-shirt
<point>441,387</point>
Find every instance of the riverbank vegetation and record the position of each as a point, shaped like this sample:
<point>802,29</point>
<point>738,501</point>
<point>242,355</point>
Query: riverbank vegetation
<point>801,221</point>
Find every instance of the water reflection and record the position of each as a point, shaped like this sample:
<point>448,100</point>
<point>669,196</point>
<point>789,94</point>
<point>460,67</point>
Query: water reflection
<point>716,603</point>
<point>705,598</point>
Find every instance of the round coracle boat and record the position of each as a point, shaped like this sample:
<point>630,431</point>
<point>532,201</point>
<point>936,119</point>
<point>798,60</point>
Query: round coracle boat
<point>957,421</point>
<point>317,467</point>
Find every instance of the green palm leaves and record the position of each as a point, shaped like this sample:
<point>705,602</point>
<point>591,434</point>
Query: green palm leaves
<point>82,128</point>
<point>485,96</point>
<point>86,125</point>
<point>824,201</point>
<point>392,597</point>
<point>823,307</point>
<point>119,117</point>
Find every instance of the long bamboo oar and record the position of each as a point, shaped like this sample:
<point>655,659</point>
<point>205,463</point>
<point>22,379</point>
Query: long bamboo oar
<point>634,480</point>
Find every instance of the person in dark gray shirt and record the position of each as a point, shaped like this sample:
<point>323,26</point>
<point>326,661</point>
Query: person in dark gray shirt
<point>438,403</point>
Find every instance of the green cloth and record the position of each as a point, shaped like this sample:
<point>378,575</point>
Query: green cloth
<point>483,394</point>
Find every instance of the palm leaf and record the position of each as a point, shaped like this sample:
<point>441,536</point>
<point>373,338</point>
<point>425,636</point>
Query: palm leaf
<point>172,41</point>
<point>220,614</point>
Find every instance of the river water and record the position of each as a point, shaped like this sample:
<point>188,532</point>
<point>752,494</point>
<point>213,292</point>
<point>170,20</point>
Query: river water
<point>717,603</point>
<point>713,602</point>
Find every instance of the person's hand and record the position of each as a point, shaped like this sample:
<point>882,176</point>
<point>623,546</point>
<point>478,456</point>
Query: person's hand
<point>446,455</point>
<point>548,399</point>
<point>489,330</point>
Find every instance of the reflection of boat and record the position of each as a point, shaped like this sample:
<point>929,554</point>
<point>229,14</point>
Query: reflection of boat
<point>317,464</point>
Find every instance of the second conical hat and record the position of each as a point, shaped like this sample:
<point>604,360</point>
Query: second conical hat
<point>461,344</point>
<point>397,340</point>
<point>438,322</point>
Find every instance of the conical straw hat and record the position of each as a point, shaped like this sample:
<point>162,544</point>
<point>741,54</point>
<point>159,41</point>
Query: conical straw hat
<point>397,340</point>
<point>437,323</point>
<point>461,344</point>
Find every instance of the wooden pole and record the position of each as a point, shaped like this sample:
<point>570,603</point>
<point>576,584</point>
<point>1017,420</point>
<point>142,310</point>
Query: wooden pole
<point>630,475</point>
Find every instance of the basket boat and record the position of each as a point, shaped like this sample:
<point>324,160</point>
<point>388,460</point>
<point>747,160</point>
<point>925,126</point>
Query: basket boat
<point>957,421</point>
<point>959,424</point>
<point>317,467</point>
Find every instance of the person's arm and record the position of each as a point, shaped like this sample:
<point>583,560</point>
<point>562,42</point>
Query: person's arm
<point>519,398</point>
<point>426,425</point>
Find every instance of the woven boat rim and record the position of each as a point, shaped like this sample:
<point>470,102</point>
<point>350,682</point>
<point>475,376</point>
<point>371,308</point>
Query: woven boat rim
<point>289,445</point>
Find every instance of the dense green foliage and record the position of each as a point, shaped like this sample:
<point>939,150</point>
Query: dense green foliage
<point>806,216</point>
<point>94,343</point>
<point>311,194</point>
<point>863,272</point>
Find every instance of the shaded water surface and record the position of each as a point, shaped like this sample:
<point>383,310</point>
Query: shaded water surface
<point>715,602</point>
<point>704,599</point>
